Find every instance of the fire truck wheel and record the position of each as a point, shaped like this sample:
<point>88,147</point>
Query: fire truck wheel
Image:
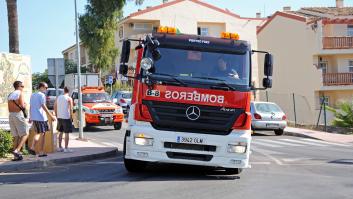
<point>279,132</point>
<point>132,165</point>
<point>117,126</point>
<point>235,171</point>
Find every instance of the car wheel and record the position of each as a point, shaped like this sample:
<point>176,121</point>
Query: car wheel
<point>133,166</point>
<point>233,171</point>
<point>279,132</point>
<point>117,126</point>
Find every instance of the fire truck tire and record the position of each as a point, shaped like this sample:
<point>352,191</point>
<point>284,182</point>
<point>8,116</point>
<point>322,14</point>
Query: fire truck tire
<point>133,165</point>
<point>279,132</point>
<point>232,171</point>
<point>117,126</point>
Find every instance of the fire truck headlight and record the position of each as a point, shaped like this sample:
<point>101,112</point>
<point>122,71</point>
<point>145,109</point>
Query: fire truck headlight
<point>118,110</point>
<point>146,63</point>
<point>143,140</point>
<point>239,147</point>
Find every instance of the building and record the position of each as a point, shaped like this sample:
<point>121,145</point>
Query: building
<point>70,54</point>
<point>190,17</point>
<point>313,51</point>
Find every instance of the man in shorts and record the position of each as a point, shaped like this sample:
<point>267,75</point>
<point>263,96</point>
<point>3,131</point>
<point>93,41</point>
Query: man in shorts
<point>63,110</point>
<point>38,115</point>
<point>18,125</point>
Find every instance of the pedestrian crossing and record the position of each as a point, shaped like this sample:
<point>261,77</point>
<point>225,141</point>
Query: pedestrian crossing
<point>297,142</point>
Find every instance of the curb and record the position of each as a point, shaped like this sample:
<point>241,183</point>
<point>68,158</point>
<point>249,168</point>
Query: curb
<point>299,135</point>
<point>41,164</point>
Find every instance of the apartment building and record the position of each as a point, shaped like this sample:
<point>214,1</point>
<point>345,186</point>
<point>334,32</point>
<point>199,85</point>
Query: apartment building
<point>313,50</point>
<point>70,54</point>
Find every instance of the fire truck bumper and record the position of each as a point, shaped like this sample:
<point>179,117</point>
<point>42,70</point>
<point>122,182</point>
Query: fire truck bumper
<point>145,143</point>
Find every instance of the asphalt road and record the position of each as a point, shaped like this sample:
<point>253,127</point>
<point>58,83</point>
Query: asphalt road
<point>282,167</point>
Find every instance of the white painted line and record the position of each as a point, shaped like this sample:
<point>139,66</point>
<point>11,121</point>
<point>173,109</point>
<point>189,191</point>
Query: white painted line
<point>304,142</point>
<point>281,143</point>
<point>260,163</point>
<point>277,161</point>
<point>264,144</point>
<point>109,144</point>
<point>324,142</point>
<point>295,159</point>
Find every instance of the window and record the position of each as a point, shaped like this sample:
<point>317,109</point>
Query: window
<point>350,66</point>
<point>202,31</point>
<point>325,99</point>
<point>143,26</point>
<point>350,30</point>
<point>323,65</point>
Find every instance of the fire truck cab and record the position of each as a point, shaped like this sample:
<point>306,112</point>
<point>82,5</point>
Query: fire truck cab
<point>191,100</point>
<point>98,108</point>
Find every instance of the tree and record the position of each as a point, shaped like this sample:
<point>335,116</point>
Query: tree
<point>40,77</point>
<point>97,31</point>
<point>71,67</point>
<point>12,18</point>
<point>343,116</point>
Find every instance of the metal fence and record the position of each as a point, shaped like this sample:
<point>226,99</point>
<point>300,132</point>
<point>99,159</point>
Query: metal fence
<point>298,109</point>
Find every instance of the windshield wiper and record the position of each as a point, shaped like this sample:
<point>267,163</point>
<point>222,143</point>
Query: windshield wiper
<point>178,81</point>
<point>220,82</point>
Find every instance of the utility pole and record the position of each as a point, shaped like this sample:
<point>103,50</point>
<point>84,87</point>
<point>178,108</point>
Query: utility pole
<point>78,75</point>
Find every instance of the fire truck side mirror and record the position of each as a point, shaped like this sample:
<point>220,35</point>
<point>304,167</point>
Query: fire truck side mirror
<point>267,82</point>
<point>125,52</point>
<point>123,69</point>
<point>268,66</point>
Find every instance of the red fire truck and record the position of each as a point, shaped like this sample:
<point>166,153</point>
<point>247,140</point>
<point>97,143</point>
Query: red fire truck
<point>191,100</point>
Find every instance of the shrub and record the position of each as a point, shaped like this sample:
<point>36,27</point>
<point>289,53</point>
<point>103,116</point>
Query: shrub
<point>343,116</point>
<point>5,143</point>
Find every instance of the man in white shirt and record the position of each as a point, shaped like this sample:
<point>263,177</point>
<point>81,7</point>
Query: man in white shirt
<point>63,109</point>
<point>18,125</point>
<point>38,115</point>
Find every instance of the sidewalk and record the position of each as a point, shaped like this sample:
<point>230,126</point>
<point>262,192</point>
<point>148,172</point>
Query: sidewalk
<point>83,151</point>
<point>330,137</point>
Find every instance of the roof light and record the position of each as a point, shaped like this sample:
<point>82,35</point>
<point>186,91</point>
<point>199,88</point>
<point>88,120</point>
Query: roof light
<point>166,29</point>
<point>228,35</point>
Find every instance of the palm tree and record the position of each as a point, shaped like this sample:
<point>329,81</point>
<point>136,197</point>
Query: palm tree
<point>13,26</point>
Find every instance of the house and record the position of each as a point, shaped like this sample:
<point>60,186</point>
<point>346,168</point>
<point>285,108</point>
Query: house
<point>190,17</point>
<point>70,54</point>
<point>313,51</point>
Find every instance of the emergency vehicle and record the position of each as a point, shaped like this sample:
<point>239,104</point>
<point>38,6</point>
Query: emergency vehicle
<point>98,108</point>
<point>191,100</point>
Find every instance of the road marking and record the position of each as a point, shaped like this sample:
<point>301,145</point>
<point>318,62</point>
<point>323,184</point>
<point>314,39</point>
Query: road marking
<point>260,163</point>
<point>281,143</point>
<point>277,161</point>
<point>295,159</point>
<point>303,142</point>
<point>324,142</point>
<point>264,144</point>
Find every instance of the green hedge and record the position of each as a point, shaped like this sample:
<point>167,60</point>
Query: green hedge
<point>5,143</point>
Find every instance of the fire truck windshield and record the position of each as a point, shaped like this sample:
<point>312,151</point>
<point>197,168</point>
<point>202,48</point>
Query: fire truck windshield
<point>233,69</point>
<point>95,97</point>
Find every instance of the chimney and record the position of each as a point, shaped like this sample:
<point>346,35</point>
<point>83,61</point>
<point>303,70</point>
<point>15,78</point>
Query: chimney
<point>258,15</point>
<point>286,8</point>
<point>339,3</point>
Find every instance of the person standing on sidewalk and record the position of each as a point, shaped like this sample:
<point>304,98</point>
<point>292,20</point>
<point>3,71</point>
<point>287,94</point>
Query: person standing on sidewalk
<point>18,125</point>
<point>63,110</point>
<point>38,115</point>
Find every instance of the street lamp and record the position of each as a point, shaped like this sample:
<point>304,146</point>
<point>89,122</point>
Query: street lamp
<point>78,76</point>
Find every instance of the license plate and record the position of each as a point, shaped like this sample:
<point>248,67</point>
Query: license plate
<point>272,125</point>
<point>190,140</point>
<point>107,120</point>
<point>107,115</point>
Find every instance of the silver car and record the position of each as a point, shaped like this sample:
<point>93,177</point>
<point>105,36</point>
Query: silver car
<point>51,97</point>
<point>268,116</point>
<point>123,99</point>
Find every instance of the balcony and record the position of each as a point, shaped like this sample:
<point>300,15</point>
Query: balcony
<point>337,42</point>
<point>337,79</point>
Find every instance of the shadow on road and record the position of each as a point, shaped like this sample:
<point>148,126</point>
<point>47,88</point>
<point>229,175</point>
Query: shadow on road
<point>113,171</point>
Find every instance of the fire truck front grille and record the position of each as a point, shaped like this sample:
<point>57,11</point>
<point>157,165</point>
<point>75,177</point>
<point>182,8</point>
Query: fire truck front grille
<point>189,156</point>
<point>173,117</point>
<point>193,147</point>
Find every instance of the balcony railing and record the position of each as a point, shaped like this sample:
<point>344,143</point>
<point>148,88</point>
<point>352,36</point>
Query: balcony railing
<point>337,42</point>
<point>336,79</point>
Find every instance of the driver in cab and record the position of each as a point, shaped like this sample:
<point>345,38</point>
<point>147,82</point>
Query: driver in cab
<point>223,70</point>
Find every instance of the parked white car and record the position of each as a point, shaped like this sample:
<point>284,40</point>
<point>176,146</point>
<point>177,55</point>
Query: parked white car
<point>268,116</point>
<point>123,99</point>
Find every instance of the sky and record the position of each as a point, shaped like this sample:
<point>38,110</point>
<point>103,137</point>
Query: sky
<point>47,27</point>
